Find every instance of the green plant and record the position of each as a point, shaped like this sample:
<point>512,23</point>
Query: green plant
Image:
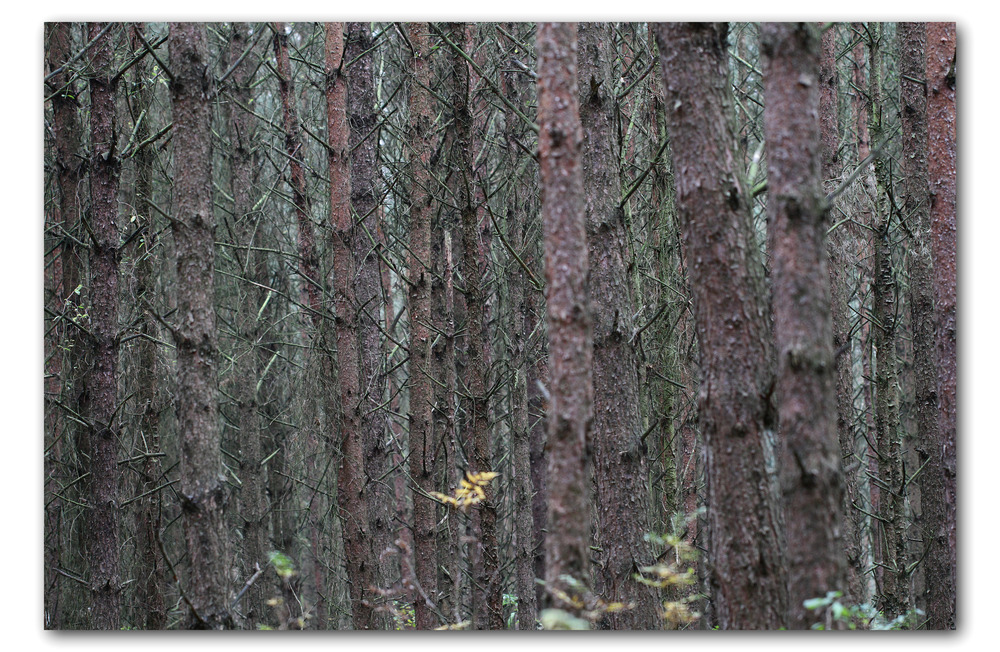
<point>510,601</point>
<point>674,569</point>
<point>282,564</point>
<point>858,616</point>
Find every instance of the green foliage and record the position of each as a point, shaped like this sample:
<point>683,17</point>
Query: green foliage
<point>559,619</point>
<point>404,616</point>
<point>580,598</point>
<point>510,601</point>
<point>673,570</point>
<point>282,564</point>
<point>858,616</point>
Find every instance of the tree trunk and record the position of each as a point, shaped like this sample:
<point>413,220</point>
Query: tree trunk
<point>571,352</point>
<point>914,196</point>
<point>352,484</point>
<point>840,251</point>
<point>941,567</point>
<point>487,605</point>
<point>202,486</point>
<point>865,256</point>
<point>916,211</point>
<point>523,325</point>
<point>320,368</point>
<point>69,174</point>
<point>444,223</point>
<point>100,448</point>
<point>368,294</point>
<point>150,607</point>
<point>894,593</point>
<point>253,268</point>
<point>619,454</point>
<point>736,413</point>
<point>812,479</point>
<point>423,448</point>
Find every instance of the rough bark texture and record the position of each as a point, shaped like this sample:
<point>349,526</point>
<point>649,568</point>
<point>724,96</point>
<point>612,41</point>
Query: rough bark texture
<point>569,321</point>
<point>250,359</point>
<point>839,248</point>
<point>202,486</point>
<point>619,453</point>
<point>916,212</point>
<point>736,412</point>
<point>444,223</point>
<point>100,438</point>
<point>523,324</point>
<point>892,554</point>
<point>308,258</point>
<point>865,255</point>
<point>150,606</point>
<point>69,173</point>
<point>320,367</point>
<point>352,484</point>
<point>487,593</point>
<point>368,293</point>
<point>422,445</point>
<point>812,478</point>
<point>941,168</point>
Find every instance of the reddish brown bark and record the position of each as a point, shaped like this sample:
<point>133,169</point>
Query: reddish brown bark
<point>351,481</point>
<point>202,485</point>
<point>736,413</point>
<point>444,224</point>
<point>941,569</point>
<point>368,292</point>
<point>308,260</point>
<point>812,479</point>
<point>916,211</point>
<point>570,331</point>
<point>523,323</point>
<point>64,280</point>
<point>100,439</point>
<point>423,448</point>
<point>150,607</point>
<point>487,593</point>
<point>622,503</point>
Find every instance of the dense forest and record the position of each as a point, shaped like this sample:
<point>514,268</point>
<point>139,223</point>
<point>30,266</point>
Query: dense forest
<point>500,326</point>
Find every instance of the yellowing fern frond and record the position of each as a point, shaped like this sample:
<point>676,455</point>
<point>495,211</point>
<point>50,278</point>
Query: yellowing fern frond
<point>471,490</point>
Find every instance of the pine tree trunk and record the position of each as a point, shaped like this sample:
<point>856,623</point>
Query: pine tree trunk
<point>519,213</point>
<point>619,471</point>
<point>735,408</point>
<point>865,256</point>
<point>812,478</point>
<point>571,352</point>
<point>202,486</point>
<point>916,209</point>
<point>895,590</point>
<point>150,609</point>
<point>839,249</point>
<point>69,175</point>
<point>352,483</point>
<point>102,434</point>
<point>368,294</point>
<point>423,448</point>
<point>941,470</point>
